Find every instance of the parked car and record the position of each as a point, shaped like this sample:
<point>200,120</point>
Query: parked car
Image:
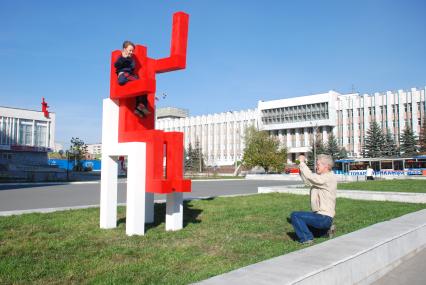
<point>291,169</point>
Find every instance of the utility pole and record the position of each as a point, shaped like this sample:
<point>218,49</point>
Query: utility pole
<point>315,154</point>
<point>200,158</point>
<point>315,128</point>
<point>68,164</point>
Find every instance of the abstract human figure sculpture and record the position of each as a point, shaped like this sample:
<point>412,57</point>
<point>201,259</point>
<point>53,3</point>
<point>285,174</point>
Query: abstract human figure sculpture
<point>155,157</point>
<point>44,109</point>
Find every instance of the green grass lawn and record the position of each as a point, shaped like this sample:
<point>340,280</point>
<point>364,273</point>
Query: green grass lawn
<point>220,235</point>
<point>396,185</point>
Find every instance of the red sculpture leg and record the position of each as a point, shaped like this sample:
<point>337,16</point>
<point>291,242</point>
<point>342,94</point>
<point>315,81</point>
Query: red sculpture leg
<point>174,163</point>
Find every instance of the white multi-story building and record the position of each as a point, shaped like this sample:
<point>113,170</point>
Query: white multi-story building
<point>295,121</point>
<point>94,149</point>
<point>25,136</point>
<point>220,136</point>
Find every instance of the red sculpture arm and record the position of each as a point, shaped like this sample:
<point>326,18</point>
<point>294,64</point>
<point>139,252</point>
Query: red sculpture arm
<point>177,58</point>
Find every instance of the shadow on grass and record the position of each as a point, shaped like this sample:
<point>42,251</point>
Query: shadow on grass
<point>190,215</point>
<point>293,236</point>
<point>317,233</point>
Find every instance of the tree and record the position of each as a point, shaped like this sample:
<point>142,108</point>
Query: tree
<point>408,144</point>
<point>77,151</point>
<point>56,154</point>
<point>319,148</point>
<point>422,137</point>
<point>343,153</point>
<point>192,158</point>
<point>263,150</point>
<point>374,141</point>
<point>390,148</point>
<point>198,159</point>
<point>332,147</point>
<point>187,159</point>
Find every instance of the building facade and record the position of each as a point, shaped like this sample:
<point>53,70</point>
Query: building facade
<point>25,136</point>
<point>348,116</point>
<point>220,136</point>
<point>296,121</point>
<point>171,113</point>
<point>94,149</point>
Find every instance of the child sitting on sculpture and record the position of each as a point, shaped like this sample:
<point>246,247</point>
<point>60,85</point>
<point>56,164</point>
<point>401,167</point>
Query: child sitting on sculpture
<point>125,68</point>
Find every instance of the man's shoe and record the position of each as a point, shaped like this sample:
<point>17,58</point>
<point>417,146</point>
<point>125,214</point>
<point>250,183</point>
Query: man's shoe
<point>139,113</point>
<point>143,109</point>
<point>331,231</point>
<point>308,242</point>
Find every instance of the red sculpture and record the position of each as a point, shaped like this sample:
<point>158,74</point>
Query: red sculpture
<point>44,107</point>
<point>133,128</point>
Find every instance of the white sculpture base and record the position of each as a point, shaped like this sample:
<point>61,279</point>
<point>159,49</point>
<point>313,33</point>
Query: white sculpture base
<point>140,204</point>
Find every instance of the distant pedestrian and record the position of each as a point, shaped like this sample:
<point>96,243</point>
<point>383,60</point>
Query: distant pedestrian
<point>370,173</point>
<point>323,200</point>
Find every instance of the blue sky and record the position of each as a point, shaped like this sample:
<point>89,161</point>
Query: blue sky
<point>239,52</point>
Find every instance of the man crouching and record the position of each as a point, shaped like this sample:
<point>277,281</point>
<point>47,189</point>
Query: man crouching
<point>323,200</point>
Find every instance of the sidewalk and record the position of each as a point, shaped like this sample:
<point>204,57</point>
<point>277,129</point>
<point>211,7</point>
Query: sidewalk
<point>353,194</point>
<point>412,271</point>
<point>360,257</point>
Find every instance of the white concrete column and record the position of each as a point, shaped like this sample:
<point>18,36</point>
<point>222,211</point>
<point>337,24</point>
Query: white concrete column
<point>174,211</point>
<point>8,131</point>
<point>33,133</point>
<point>356,133</point>
<point>345,131</point>
<point>18,127</point>
<point>324,135</point>
<point>48,126</point>
<point>297,134</point>
<point>136,181</point>
<point>289,138</point>
<point>306,137</point>
<point>1,129</point>
<point>414,99</point>
<point>402,101</point>
<point>280,137</point>
<point>108,205</point>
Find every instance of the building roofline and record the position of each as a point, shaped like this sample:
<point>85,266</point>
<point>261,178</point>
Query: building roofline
<point>25,109</point>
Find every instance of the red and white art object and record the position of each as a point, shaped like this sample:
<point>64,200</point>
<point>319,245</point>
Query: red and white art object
<point>155,158</point>
<point>44,108</point>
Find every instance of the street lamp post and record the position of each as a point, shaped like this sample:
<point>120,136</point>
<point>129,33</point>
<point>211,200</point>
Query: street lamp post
<point>315,146</point>
<point>314,128</point>
<point>68,163</point>
<point>201,157</point>
<point>235,148</point>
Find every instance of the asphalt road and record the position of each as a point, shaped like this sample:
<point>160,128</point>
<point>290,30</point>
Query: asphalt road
<point>411,271</point>
<point>39,196</point>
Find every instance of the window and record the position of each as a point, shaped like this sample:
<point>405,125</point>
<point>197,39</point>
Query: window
<point>25,132</point>
<point>40,134</point>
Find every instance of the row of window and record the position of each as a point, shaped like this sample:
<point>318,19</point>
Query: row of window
<point>20,131</point>
<point>291,114</point>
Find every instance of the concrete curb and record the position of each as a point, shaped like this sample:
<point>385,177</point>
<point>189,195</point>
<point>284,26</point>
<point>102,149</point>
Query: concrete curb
<point>283,177</point>
<point>360,257</point>
<point>52,183</point>
<point>58,209</point>
<point>354,194</point>
<point>97,182</point>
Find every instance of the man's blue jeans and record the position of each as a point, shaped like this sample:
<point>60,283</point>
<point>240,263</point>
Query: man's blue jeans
<point>301,222</point>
